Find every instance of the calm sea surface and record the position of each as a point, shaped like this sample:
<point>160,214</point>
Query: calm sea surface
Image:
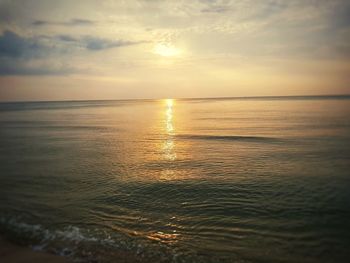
<point>209,180</point>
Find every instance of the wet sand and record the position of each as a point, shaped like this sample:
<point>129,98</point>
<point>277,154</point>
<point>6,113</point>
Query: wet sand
<point>11,253</point>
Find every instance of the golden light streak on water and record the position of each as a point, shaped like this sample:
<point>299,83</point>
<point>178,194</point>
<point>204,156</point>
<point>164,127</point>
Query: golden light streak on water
<point>169,144</point>
<point>169,116</point>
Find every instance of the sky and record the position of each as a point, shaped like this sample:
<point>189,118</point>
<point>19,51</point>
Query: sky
<point>95,49</point>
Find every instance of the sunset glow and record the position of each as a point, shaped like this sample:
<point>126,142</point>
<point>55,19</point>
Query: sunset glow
<point>91,50</point>
<point>193,131</point>
<point>166,50</point>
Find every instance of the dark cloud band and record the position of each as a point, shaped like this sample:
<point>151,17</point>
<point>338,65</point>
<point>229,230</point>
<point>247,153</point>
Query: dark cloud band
<point>72,22</point>
<point>17,51</point>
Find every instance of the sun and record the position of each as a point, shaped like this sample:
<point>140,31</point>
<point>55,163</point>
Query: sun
<point>169,103</point>
<point>166,50</point>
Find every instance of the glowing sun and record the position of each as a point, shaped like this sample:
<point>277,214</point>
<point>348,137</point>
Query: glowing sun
<point>166,50</point>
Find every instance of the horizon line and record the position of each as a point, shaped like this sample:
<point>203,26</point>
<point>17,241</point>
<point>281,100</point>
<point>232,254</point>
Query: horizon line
<point>187,98</point>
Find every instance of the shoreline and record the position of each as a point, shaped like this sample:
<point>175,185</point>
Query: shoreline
<point>13,253</point>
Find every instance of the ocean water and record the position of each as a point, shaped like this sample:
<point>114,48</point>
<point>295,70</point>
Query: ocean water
<point>191,180</point>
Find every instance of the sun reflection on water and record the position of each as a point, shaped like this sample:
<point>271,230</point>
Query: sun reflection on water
<point>169,116</point>
<point>164,237</point>
<point>169,144</point>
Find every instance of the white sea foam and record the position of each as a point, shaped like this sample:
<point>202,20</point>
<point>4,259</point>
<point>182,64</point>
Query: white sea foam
<point>74,242</point>
<point>69,233</point>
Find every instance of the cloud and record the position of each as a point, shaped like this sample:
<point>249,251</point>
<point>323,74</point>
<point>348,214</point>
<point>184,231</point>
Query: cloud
<point>22,56</point>
<point>71,22</point>
<point>35,55</point>
<point>15,46</point>
<point>220,36</point>
<point>95,43</point>
<point>341,16</point>
<point>10,67</point>
<point>12,45</point>
<point>40,23</point>
<point>215,9</point>
<point>67,38</point>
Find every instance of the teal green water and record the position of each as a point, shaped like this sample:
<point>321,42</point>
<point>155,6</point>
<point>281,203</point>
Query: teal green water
<point>209,180</point>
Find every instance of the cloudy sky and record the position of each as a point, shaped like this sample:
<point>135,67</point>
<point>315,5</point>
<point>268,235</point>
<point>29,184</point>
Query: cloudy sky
<point>68,50</point>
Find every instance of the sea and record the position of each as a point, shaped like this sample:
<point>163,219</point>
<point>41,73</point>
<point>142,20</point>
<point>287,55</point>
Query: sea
<point>259,179</point>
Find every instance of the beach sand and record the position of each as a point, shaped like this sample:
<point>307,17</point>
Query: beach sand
<point>11,253</point>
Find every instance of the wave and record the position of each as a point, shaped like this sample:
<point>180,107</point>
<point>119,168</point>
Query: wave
<point>71,241</point>
<point>68,233</point>
<point>85,244</point>
<point>226,137</point>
